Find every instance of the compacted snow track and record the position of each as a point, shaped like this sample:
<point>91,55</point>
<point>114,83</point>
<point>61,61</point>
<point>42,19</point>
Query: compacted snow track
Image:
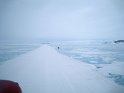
<point>45,70</point>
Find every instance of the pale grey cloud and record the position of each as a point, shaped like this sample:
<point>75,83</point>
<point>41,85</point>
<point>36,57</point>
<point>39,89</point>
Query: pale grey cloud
<point>62,18</point>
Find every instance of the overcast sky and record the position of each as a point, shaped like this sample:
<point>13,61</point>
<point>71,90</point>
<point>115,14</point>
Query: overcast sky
<point>62,19</point>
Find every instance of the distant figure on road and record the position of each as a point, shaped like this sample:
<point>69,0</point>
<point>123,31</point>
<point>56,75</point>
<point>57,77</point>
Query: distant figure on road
<point>58,48</point>
<point>7,86</point>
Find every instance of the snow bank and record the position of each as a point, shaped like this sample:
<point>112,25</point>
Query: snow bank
<point>44,70</point>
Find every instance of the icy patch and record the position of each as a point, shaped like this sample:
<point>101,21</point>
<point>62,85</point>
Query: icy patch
<point>10,51</point>
<point>119,79</point>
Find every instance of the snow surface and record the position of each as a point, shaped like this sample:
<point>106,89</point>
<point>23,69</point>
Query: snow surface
<point>45,70</point>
